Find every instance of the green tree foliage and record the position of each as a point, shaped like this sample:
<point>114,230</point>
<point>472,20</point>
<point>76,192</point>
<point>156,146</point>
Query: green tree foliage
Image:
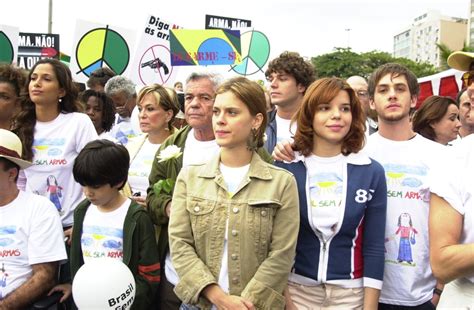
<point>343,63</point>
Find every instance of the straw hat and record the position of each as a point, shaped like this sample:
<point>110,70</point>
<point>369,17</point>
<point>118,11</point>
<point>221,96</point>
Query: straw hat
<point>11,148</point>
<point>461,60</point>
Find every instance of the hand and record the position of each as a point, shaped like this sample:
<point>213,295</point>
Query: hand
<point>223,301</point>
<point>66,289</point>
<point>231,302</point>
<point>67,235</point>
<point>140,200</point>
<point>289,303</point>
<point>435,300</point>
<point>283,151</point>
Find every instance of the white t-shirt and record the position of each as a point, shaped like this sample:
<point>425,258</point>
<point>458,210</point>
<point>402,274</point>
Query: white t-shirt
<point>55,147</point>
<point>325,192</point>
<point>123,130</point>
<point>408,165</point>
<point>283,129</point>
<point>140,168</point>
<point>198,152</point>
<point>135,119</point>
<point>195,152</point>
<point>107,136</point>
<point>102,232</point>
<point>454,182</point>
<point>30,233</point>
<point>232,177</point>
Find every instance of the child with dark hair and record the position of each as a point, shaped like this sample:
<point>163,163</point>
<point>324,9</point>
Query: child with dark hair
<point>101,110</point>
<point>108,224</point>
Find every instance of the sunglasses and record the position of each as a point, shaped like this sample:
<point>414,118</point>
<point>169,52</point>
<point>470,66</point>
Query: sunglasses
<point>467,78</point>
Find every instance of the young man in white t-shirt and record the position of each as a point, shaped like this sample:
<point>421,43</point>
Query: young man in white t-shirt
<point>408,160</point>
<point>31,235</point>
<point>289,76</point>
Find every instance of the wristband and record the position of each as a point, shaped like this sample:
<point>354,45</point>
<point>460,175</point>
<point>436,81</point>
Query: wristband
<point>437,291</point>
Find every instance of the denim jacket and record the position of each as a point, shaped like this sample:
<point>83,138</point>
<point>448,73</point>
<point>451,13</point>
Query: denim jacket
<point>169,169</point>
<point>263,222</point>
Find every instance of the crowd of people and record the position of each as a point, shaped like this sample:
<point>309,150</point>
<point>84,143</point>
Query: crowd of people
<point>315,193</point>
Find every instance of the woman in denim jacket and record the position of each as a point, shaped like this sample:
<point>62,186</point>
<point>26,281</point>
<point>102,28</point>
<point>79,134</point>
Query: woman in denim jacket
<point>234,220</point>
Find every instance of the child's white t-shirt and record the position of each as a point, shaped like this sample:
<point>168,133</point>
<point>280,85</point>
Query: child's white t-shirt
<point>102,232</point>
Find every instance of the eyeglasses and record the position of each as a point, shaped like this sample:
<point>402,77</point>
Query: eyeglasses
<point>467,78</point>
<point>362,93</point>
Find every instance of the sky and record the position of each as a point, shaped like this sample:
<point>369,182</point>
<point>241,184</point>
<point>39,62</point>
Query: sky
<point>310,27</point>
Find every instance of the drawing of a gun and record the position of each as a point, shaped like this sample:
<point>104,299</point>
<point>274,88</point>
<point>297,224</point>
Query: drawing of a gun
<point>156,64</point>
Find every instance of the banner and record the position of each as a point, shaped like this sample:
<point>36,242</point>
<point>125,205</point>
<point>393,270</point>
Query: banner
<point>8,44</point>
<point>35,46</point>
<point>99,45</point>
<point>205,47</point>
<point>152,61</point>
<point>221,22</point>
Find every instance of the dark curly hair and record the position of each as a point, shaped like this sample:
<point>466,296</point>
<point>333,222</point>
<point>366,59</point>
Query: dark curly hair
<point>321,92</point>
<point>106,104</point>
<point>25,121</point>
<point>16,78</point>
<point>13,76</point>
<point>293,64</point>
<point>100,77</point>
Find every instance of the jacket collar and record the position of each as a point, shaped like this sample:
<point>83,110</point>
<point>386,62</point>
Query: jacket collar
<point>359,159</point>
<point>258,168</point>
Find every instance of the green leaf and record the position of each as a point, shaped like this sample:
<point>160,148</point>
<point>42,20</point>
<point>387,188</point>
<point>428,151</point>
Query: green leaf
<point>163,185</point>
<point>157,187</point>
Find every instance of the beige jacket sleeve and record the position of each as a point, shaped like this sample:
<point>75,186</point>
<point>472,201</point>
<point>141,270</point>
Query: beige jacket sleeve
<point>194,275</point>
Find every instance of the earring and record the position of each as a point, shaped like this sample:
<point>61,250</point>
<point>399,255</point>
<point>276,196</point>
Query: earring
<point>60,100</point>
<point>252,140</point>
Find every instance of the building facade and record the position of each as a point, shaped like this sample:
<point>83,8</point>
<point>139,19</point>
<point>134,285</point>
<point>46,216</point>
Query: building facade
<point>418,42</point>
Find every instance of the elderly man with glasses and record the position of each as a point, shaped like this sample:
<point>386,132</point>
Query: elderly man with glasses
<point>360,86</point>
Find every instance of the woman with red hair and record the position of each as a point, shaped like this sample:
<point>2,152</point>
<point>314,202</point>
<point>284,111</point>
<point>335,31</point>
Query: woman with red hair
<point>342,193</point>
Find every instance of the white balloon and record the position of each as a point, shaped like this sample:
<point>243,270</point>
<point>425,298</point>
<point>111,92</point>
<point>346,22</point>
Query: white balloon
<point>103,283</point>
